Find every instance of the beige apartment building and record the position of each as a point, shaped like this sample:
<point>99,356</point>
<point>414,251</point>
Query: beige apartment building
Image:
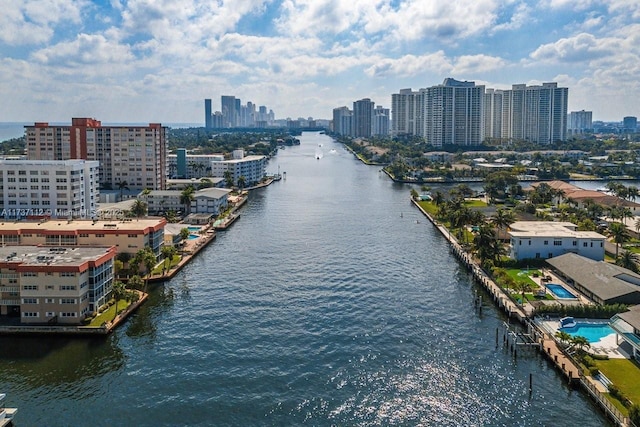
<point>54,285</point>
<point>127,236</point>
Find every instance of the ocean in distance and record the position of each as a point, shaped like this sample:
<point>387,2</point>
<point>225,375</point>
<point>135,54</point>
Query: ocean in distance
<point>9,130</point>
<point>331,302</point>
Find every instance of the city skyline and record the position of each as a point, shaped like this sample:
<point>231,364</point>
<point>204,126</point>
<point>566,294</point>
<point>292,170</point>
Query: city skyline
<point>140,61</point>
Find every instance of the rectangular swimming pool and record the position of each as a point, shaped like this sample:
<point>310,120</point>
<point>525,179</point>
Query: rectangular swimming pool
<point>560,292</point>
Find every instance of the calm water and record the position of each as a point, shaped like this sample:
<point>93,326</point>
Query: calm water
<point>330,302</point>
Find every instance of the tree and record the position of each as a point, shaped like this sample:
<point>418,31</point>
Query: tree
<point>619,234</point>
<point>563,336</point>
<point>184,235</point>
<point>503,218</point>
<point>139,208</point>
<point>118,291</point>
<point>168,253</point>
<point>147,259</point>
<point>580,342</point>
<point>186,197</point>
<point>414,194</point>
<point>628,260</point>
<point>135,282</point>
<point>241,182</point>
<point>122,185</point>
<point>228,178</point>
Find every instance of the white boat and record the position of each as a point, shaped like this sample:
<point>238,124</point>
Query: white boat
<point>567,322</point>
<point>6,414</point>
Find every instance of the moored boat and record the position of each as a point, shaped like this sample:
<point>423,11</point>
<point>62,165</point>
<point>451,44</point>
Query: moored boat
<point>6,414</point>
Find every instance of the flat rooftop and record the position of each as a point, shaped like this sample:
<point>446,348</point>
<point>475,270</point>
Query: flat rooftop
<point>550,229</point>
<point>82,225</point>
<point>47,255</point>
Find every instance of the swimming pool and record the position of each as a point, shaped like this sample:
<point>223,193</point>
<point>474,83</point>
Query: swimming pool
<point>593,332</point>
<point>560,292</point>
<point>193,236</point>
<point>192,228</point>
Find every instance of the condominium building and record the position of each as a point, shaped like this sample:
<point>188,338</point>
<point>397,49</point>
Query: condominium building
<point>453,113</point>
<point>48,188</point>
<point>54,285</point>
<point>229,112</point>
<point>251,168</point>
<point>343,121</point>
<point>536,114</point>
<point>128,236</point>
<point>186,166</point>
<point>208,114</point>
<point>403,113</point>
<point>380,121</point>
<point>362,118</point>
<point>580,122</point>
<point>136,155</point>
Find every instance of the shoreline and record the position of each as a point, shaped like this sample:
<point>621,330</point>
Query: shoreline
<point>535,336</point>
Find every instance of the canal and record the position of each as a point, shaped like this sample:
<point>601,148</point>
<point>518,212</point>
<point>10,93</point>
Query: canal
<point>331,301</point>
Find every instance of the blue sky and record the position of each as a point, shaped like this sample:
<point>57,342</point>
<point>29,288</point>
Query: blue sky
<point>156,60</point>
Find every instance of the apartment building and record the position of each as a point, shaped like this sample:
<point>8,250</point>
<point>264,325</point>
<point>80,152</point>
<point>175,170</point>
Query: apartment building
<point>48,188</point>
<point>136,155</point>
<point>252,168</point>
<point>127,236</point>
<point>54,285</point>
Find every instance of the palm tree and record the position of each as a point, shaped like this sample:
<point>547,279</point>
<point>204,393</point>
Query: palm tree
<point>241,182</point>
<point>580,342</point>
<point>563,336</point>
<point>438,198</point>
<point>503,218</point>
<point>118,290</point>
<point>619,233</point>
<point>184,235</point>
<point>167,253</point>
<point>186,197</point>
<point>628,260</point>
<point>139,208</point>
<point>228,178</point>
<point>122,185</point>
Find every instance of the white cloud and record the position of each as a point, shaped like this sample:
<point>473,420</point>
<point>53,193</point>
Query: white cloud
<point>580,48</point>
<point>24,22</point>
<point>411,65</point>
<point>474,64</point>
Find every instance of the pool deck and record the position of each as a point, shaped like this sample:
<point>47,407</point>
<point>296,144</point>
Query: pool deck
<point>607,346</point>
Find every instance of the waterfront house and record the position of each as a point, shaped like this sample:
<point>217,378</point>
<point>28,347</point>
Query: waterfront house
<point>601,282</point>
<point>548,239</point>
<point>627,326</point>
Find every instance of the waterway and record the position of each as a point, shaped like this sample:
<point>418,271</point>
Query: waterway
<point>331,301</point>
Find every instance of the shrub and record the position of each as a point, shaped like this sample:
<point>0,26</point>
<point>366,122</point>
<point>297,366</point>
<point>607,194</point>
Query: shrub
<point>588,361</point>
<point>593,371</point>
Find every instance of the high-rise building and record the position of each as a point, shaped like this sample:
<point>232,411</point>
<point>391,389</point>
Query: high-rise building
<point>630,124</point>
<point>580,122</point>
<point>380,121</point>
<point>208,118</point>
<point>536,114</point>
<point>492,113</point>
<point>403,112</point>
<point>342,121</point>
<point>453,113</point>
<point>363,118</point>
<point>229,115</point>
<point>136,155</point>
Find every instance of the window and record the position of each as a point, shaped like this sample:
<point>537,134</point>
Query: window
<point>68,274</point>
<point>49,301</point>
<point>546,242</point>
<point>29,274</point>
<point>51,314</point>
<point>557,243</point>
<point>62,314</point>
<point>27,314</point>
<point>29,300</point>
<point>30,287</point>
<point>67,300</point>
<point>575,243</point>
<point>67,287</point>
<point>584,244</point>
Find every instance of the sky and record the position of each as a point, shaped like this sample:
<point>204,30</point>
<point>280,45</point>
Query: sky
<point>139,61</point>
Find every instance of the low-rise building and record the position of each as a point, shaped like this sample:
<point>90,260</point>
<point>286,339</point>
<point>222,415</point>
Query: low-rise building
<point>128,236</point>
<point>54,285</point>
<point>251,168</point>
<point>206,201</point>
<point>548,239</point>
<point>627,326</point>
<point>601,282</point>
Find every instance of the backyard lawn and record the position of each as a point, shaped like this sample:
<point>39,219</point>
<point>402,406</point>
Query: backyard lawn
<point>625,375</point>
<point>109,314</point>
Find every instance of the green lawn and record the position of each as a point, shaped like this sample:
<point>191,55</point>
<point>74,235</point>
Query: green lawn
<point>475,203</point>
<point>429,207</point>
<point>174,262</point>
<point>108,315</point>
<point>522,276</point>
<point>625,374</point>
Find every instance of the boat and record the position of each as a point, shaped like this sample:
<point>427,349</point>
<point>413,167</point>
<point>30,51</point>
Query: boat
<point>6,414</point>
<point>567,322</point>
